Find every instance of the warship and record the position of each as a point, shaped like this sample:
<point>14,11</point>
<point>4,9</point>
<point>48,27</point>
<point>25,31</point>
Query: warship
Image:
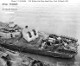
<point>30,40</point>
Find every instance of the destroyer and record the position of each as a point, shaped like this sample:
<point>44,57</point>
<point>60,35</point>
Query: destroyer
<point>33,41</point>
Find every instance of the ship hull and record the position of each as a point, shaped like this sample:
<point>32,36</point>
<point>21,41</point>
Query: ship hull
<point>37,51</point>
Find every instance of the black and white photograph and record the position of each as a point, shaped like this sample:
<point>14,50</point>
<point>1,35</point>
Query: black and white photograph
<point>39,33</point>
